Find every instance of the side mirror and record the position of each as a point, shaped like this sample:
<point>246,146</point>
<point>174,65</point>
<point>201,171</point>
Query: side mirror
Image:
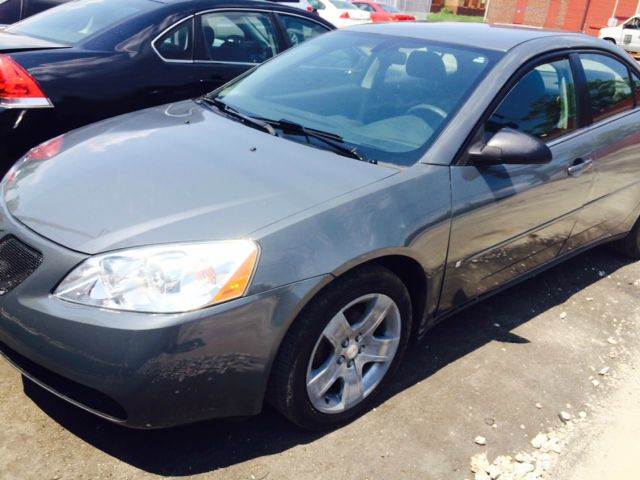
<point>510,147</point>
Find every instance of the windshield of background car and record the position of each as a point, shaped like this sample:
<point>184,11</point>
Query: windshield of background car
<point>389,8</point>
<point>75,21</point>
<point>387,97</point>
<point>343,4</point>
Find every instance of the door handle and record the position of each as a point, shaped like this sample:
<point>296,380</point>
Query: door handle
<point>579,166</point>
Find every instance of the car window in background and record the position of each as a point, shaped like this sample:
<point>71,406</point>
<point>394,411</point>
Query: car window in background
<point>242,37</point>
<point>389,8</point>
<point>317,4</point>
<point>177,44</point>
<point>342,4</point>
<point>74,22</point>
<point>387,97</point>
<point>543,103</point>
<point>608,84</point>
<point>365,6</point>
<point>300,29</point>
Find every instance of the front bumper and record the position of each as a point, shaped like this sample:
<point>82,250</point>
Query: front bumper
<point>143,370</point>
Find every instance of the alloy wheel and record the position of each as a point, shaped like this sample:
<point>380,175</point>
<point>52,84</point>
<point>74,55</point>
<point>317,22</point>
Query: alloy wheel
<point>353,353</point>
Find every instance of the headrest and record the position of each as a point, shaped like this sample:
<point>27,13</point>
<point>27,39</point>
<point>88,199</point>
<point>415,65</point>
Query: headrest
<point>426,65</point>
<point>209,35</point>
<point>531,86</point>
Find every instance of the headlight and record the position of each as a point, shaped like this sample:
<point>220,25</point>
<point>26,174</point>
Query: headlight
<point>163,279</point>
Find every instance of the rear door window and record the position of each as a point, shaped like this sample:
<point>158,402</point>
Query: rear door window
<point>239,37</point>
<point>608,84</point>
<point>300,29</point>
<point>542,103</point>
<point>177,44</point>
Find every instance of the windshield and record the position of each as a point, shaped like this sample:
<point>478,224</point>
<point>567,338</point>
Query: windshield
<point>343,5</point>
<point>75,21</point>
<point>389,8</point>
<point>387,97</point>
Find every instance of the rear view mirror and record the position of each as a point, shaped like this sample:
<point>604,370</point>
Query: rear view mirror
<point>512,147</point>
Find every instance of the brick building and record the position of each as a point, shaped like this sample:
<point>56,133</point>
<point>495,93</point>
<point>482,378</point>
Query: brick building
<point>586,16</point>
<point>460,7</point>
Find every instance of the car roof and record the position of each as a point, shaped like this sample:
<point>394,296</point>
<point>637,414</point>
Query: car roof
<point>482,35</point>
<point>203,5</point>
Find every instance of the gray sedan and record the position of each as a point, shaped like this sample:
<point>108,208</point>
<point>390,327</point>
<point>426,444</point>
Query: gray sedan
<point>284,238</point>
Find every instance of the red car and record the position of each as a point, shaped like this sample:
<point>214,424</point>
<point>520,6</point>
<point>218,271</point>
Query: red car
<point>381,12</point>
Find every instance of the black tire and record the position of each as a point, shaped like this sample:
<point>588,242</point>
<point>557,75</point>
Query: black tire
<point>287,390</point>
<point>630,245</point>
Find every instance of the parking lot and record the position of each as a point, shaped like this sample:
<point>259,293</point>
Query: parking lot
<point>503,370</point>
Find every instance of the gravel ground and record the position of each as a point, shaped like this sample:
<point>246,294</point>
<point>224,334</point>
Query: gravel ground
<point>489,385</point>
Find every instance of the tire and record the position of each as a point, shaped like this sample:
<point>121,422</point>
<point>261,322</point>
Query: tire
<point>630,245</point>
<point>367,292</point>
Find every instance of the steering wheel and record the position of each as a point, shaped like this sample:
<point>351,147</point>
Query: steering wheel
<point>431,114</point>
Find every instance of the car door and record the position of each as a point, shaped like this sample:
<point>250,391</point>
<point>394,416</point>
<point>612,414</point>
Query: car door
<point>230,42</point>
<point>509,219</point>
<point>613,203</point>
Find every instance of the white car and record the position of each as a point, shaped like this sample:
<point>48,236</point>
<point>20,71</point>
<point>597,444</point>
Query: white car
<point>301,4</point>
<point>627,34</point>
<point>340,12</point>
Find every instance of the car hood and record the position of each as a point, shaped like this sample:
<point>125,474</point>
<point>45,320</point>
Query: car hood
<point>174,173</point>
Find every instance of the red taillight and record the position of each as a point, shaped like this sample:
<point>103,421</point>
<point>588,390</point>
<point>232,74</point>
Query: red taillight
<point>46,150</point>
<point>309,8</point>
<point>345,15</point>
<point>18,89</point>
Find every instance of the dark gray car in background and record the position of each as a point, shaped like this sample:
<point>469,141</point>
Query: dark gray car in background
<point>285,237</point>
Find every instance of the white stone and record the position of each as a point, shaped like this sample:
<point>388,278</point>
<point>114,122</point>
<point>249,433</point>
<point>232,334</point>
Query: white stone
<point>565,416</point>
<point>539,441</point>
<point>480,440</point>
<point>479,463</point>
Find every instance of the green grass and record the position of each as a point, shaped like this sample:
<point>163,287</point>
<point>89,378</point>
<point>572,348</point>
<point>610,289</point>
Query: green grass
<point>444,16</point>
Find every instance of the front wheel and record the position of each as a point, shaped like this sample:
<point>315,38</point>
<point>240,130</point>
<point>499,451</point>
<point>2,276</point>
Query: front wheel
<point>338,356</point>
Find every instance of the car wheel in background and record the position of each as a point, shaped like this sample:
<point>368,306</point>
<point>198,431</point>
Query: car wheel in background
<point>343,348</point>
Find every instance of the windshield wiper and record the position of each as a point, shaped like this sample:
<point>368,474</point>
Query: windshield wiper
<point>246,119</point>
<point>336,142</point>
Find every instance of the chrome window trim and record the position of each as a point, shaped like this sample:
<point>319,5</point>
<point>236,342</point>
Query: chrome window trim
<point>226,62</point>
<point>167,30</point>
